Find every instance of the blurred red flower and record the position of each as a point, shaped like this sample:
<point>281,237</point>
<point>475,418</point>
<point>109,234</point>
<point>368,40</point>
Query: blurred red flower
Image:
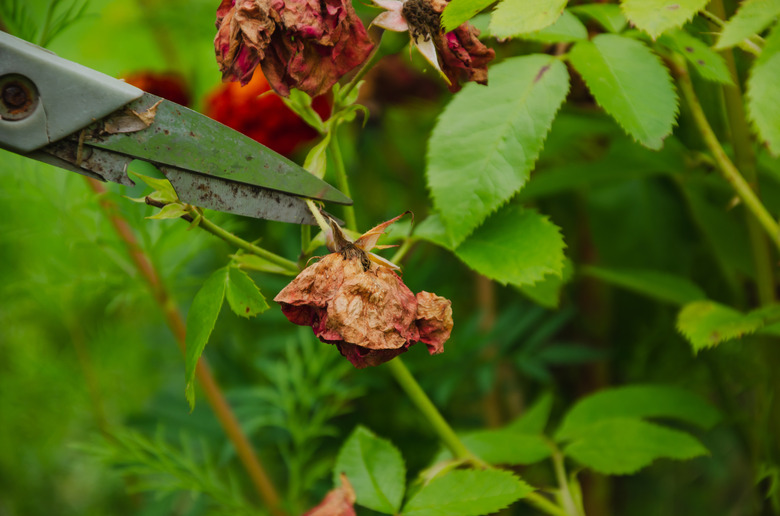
<point>168,85</point>
<point>259,113</point>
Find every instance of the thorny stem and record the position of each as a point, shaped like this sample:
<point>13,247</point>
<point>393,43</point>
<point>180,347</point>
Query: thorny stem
<point>726,166</point>
<point>341,179</point>
<point>429,410</point>
<point>175,321</point>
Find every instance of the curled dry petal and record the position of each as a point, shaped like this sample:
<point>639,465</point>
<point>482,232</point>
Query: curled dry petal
<point>338,502</point>
<point>362,307</point>
<point>463,56</point>
<point>304,44</point>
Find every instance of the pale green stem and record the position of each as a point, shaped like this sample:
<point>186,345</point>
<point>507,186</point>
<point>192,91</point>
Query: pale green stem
<point>752,45</point>
<point>321,222</point>
<point>569,506</point>
<point>727,168</point>
<point>344,93</point>
<point>341,179</point>
<point>429,410</point>
<point>248,247</point>
<point>405,247</point>
<point>544,505</point>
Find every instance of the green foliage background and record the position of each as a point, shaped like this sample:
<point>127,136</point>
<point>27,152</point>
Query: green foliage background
<point>84,348</point>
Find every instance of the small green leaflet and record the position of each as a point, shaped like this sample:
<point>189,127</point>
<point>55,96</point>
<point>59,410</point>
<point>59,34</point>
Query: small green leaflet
<point>375,469</point>
<point>243,295</point>
<point>467,493</point>
<point>637,401</point>
<point>763,94</point>
<point>516,17</point>
<point>504,446</point>
<point>514,246</point>
<point>487,139</point>
<point>667,288</point>
<point>752,17</point>
<point>566,29</point>
<point>200,321</point>
<point>163,189</point>
<point>706,323</point>
<point>608,16</point>
<point>170,211</point>
<point>623,446</point>
<point>534,420</point>
<point>657,16</point>
<point>458,12</point>
<point>630,83</point>
<point>708,63</point>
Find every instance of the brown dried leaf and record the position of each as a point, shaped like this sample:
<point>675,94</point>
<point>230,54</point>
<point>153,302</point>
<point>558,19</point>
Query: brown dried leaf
<point>338,502</point>
<point>131,121</point>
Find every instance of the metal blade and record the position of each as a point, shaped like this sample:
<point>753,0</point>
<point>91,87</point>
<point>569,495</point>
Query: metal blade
<point>179,137</point>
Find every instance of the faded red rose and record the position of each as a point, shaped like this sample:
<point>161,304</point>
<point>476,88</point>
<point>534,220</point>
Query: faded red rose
<point>338,502</point>
<point>260,114</point>
<point>304,44</point>
<point>364,308</point>
<point>463,56</point>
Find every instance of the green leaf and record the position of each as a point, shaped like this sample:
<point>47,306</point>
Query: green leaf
<point>657,16</point>
<point>163,189</point>
<point>608,16</point>
<point>514,246</point>
<point>466,493</point>
<point>487,139</point>
<point>706,323</point>
<point>170,211</point>
<point>763,95</point>
<point>637,401</point>
<point>623,446</point>
<point>375,469</point>
<point>504,446</point>
<point>432,229</point>
<point>547,292</point>
<point>200,321</point>
<point>253,262</point>
<point>458,12</point>
<point>566,29</point>
<point>317,159</point>
<point>243,295</point>
<point>664,287</point>
<point>515,17</point>
<point>630,83</point>
<point>708,63</point>
<point>752,17</point>
<point>534,420</point>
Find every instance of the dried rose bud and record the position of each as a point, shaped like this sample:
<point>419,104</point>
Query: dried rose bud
<point>168,85</point>
<point>458,55</point>
<point>338,502</point>
<point>304,44</point>
<point>260,114</point>
<point>353,298</point>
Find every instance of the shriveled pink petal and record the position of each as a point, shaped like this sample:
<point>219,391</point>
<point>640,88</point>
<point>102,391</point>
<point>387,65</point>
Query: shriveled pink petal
<point>434,320</point>
<point>368,240</point>
<point>428,51</point>
<point>463,56</point>
<point>391,20</point>
<point>338,502</point>
<point>361,357</point>
<point>390,5</point>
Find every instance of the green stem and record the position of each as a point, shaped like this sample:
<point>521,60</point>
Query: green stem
<point>341,179</point>
<point>429,410</point>
<point>315,211</point>
<point>405,247</point>
<point>344,93</point>
<point>544,505</point>
<point>560,474</point>
<point>727,168</point>
<point>745,161</point>
<point>248,247</point>
<point>751,45</point>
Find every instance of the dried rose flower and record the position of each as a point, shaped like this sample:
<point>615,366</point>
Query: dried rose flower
<point>304,44</point>
<point>353,298</point>
<point>338,502</point>
<point>458,55</point>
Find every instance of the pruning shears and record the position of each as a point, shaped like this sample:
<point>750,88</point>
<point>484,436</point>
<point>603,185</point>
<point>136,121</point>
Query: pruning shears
<point>62,113</point>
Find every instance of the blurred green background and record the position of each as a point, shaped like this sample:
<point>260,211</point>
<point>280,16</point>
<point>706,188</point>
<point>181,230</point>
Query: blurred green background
<point>84,347</point>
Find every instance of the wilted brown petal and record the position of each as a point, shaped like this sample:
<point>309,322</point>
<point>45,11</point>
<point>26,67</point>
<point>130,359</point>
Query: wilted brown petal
<point>434,320</point>
<point>338,502</point>
<point>463,56</point>
<point>304,44</point>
